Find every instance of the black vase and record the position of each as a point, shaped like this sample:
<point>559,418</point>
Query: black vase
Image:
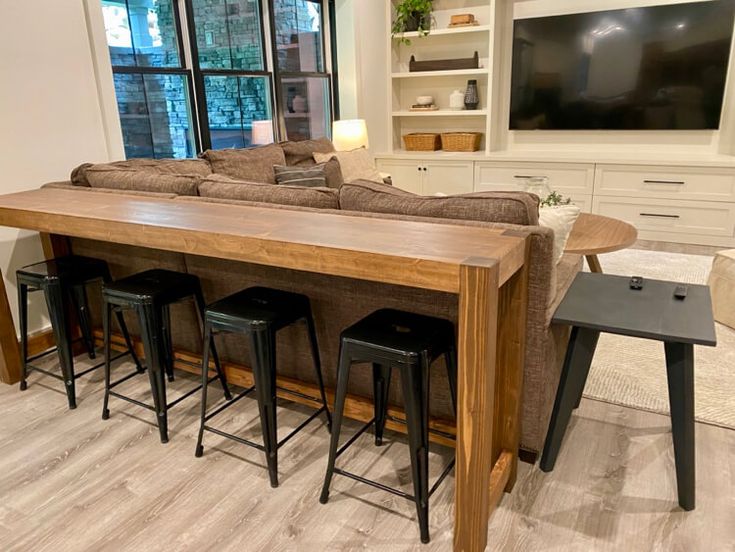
<point>416,20</point>
<point>471,97</point>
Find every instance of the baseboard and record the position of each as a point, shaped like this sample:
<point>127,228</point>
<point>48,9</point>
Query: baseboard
<point>40,341</point>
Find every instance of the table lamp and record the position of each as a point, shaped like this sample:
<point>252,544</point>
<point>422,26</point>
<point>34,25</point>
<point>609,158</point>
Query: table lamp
<point>262,133</point>
<point>349,134</point>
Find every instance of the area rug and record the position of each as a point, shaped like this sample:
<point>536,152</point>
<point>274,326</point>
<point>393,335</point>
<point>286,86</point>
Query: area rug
<point>632,372</point>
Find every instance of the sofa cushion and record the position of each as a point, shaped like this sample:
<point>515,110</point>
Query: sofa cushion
<point>118,178</point>
<point>157,166</point>
<point>355,165</point>
<point>302,152</point>
<point>509,207</point>
<point>217,186</point>
<point>313,176</point>
<point>251,164</point>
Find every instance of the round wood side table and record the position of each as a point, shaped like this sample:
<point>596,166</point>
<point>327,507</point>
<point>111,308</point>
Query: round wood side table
<point>595,234</point>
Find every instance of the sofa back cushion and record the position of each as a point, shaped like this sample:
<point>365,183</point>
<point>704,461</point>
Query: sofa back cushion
<point>302,152</point>
<point>251,164</point>
<point>118,178</point>
<point>157,166</point>
<point>217,186</point>
<point>508,207</point>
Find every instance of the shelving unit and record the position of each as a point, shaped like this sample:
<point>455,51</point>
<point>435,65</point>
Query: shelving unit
<point>443,42</point>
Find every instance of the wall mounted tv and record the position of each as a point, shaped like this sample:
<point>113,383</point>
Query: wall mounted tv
<point>651,68</point>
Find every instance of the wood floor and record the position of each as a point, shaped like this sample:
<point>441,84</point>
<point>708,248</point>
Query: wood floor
<point>70,481</point>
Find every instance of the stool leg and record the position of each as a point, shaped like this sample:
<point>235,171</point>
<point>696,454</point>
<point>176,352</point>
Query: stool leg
<point>580,351</point>
<point>680,375</point>
<point>318,366</point>
<point>415,384</point>
<point>81,304</point>
<point>343,376</point>
<point>106,337</point>
<point>167,343</point>
<point>199,451</point>
<point>263,354</point>
<point>23,322</point>
<point>450,359</point>
<point>57,304</point>
<point>201,306</point>
<point>128,342</point>
<point>381,385</point>
<point>150,327</point>
<point>107,278</point>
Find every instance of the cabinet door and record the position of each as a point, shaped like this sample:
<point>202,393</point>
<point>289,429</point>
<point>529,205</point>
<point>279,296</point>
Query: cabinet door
<point>448,177</point>
<point>406,174</point>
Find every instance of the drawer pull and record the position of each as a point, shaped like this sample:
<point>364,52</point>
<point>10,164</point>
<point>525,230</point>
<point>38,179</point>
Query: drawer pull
<point>676,182</point>
<point>527,176</point>
<point>659,215</point>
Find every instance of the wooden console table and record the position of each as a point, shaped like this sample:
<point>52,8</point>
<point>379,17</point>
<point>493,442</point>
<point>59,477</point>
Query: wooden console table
<point>486,268</point>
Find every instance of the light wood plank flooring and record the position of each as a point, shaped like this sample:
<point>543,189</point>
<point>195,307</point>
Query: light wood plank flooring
<point>70,481</point>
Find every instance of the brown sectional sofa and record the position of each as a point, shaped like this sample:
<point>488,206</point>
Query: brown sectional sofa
<point>338,302</point>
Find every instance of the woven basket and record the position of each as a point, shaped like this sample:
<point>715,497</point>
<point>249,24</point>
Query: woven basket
<point>422,141</point>
<point>461,141</point>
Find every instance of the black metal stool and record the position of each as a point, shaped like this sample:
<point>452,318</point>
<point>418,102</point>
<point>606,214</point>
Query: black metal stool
<point>63,281</point>
<point>260,312</point>
<point>150,294</point>
<point>410,342</point>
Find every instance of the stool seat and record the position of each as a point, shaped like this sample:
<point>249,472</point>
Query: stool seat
<point>258,308</point>
<point>401,336</point>
<point>158,286</point>
<point>71,270</point>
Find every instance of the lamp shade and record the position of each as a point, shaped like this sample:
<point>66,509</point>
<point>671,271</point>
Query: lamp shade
<point>349,134</point>
<point>262,133</point>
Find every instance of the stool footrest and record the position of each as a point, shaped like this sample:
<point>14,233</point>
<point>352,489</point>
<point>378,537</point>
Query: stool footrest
<point>355,437</point>
<point>220,408</point>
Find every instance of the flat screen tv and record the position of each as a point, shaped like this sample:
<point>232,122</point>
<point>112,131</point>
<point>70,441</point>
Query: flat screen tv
<point>651,68</point>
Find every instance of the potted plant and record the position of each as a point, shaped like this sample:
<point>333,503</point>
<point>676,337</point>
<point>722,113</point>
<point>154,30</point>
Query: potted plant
<point>412,15</point>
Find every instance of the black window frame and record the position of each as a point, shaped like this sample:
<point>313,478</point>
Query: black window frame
<point>182,69</point>
<point>279,75</point>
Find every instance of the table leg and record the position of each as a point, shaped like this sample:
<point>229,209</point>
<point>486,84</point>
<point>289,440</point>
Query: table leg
<point>477,349</point>
<point>581,349</point>
<point>680,375</point>
<point>9,348</point>
<point>594,263</point>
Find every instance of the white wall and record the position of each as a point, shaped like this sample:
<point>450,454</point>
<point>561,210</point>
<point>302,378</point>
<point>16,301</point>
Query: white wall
<point>362,53</point>
<point>50,114</point>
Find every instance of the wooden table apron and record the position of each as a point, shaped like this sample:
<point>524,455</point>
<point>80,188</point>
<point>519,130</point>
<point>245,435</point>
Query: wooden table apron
<point>485,267</point>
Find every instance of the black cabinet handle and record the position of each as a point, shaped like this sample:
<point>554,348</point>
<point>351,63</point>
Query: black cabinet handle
<point>675,182</point>
<point>659,215</point>
<point>527,176</point>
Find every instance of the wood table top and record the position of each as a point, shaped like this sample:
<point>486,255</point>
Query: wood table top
<point>593,234</point>
<point>418,254</point>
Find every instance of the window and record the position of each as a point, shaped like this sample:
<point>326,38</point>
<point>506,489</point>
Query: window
<point>152,86</point>
<point>303,83</point>
<point>213,85</point>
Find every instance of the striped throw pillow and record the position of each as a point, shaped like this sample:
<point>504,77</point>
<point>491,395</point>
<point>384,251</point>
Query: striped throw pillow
<point>310,177</point>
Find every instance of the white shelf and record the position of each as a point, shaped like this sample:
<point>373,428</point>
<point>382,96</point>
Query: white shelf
<point>449,31</point>
<point>454,73</point>
<point>442,113</point>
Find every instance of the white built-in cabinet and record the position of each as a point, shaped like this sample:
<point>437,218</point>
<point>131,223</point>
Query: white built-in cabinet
<point>433,177</point>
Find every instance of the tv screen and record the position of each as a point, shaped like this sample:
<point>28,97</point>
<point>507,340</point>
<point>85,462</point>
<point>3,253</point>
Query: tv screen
<point>652,68</point>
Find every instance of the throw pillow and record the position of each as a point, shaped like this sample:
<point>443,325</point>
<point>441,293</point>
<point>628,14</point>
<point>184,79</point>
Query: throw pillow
<point>311,177</point>
<point>302,152</point>
<point>355,165</point>
<point>560,219</point>
<point>251,164</point>
<point>509,207</point>
<point>130,179</point>
<point>218,186</point>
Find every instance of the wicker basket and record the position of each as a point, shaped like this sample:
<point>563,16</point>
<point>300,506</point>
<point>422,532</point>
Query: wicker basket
<point>461,141</point>
<point>422,141</point>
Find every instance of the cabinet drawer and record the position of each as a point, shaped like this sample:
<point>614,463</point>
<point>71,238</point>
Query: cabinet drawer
<point>698,183</point>
<point>566,178</point>
<point>670,216</point>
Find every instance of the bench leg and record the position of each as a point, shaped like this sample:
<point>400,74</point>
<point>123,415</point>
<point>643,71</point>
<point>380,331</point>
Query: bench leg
<point>680,375</point>
<point>581,349</point>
